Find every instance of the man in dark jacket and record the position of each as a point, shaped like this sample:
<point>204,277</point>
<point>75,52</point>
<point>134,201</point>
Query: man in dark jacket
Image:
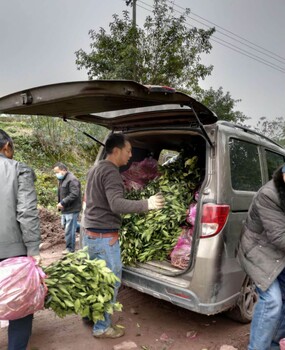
<point>20,227</point>
<point>262,255</point>
<point>69,202</point>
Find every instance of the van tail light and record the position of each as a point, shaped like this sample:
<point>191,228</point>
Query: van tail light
<point>214,218</point>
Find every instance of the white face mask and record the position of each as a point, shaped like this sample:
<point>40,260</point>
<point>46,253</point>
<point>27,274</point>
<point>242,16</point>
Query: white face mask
<point>59,176</point>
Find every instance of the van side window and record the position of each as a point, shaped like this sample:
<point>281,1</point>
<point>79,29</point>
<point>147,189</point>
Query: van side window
<point>273,160</point>
<point>245,166</point>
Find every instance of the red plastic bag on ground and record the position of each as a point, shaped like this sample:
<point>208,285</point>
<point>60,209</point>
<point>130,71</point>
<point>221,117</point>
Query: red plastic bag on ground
<point>22,290</point>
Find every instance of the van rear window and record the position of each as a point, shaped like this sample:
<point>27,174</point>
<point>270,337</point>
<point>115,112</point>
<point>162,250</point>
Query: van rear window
<point>245,166</point>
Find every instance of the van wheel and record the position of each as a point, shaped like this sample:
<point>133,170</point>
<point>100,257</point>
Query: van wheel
<point>243,310</point>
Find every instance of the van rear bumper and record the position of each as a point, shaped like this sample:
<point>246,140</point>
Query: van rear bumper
<point>178,296</point>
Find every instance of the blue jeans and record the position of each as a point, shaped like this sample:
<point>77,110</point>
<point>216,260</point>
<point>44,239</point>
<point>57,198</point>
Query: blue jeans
<point>69,223</point>
<point>99,248</point>
<point>19,332</point>
<point>268,323</point>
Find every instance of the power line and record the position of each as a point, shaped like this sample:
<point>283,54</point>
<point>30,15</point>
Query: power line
<point>247,54</point>
<point>239,41</point>
<point>226,30</point>
<point>232,46</point>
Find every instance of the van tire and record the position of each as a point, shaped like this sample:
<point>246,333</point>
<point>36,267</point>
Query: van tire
<point>243,310</point>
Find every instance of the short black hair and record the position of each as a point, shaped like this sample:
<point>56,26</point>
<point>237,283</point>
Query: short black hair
<point>60,166</point>
<point>115,140</point>
<point>4,138</point>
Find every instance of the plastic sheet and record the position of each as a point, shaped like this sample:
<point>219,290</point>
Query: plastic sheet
<point>140,173</point>
<point>180,254</point>
<point>282,344</point>
<point>191,214</point>
<point>22,288</point>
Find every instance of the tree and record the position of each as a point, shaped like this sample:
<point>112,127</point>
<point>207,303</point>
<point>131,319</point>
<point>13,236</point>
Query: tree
<point>164,52</point>
<point>274,129</point>
<point>222,104</point>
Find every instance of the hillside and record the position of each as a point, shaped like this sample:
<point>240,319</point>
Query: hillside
<point>40,142</point>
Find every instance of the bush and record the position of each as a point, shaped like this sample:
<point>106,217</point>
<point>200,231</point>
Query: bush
<point>40,142</point>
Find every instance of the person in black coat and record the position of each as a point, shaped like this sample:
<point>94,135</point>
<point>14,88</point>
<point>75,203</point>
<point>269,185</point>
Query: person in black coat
<point>69,203</point>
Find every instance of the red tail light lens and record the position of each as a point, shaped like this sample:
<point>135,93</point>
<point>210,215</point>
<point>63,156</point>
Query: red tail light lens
<point>214,218</point>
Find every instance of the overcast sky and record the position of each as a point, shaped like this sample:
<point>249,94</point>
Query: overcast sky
<point>39,38</point>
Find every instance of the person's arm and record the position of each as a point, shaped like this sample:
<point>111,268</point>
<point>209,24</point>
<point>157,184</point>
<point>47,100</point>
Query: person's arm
<point>114,190</point>
<point>27,212</point>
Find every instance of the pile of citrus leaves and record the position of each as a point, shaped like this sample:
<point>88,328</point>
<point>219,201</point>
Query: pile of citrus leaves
<point>78,285</point>
<point>153,235</point>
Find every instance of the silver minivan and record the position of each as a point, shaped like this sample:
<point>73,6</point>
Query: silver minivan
<point>235,162</point>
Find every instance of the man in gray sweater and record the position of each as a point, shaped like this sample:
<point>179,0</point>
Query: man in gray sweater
<point>105,203</point>
<point>20,226</point>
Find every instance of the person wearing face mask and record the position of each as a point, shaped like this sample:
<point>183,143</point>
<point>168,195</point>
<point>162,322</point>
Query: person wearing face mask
<point>105,203</point>
<point>69,203</point>
<point>20,225</point>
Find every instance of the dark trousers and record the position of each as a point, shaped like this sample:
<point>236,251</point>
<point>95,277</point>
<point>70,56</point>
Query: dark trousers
<point>19,332</point>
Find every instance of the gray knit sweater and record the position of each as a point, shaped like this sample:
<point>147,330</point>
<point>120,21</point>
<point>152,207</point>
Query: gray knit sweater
<point>105,198</point>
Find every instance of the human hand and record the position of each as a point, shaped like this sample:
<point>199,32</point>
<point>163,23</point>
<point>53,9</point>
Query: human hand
<point>59,206</point>
<point>37,259</point>
<point>156,202</point>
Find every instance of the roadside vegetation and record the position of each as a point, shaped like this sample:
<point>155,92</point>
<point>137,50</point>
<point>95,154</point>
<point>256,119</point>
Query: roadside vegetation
<point>40,142</point>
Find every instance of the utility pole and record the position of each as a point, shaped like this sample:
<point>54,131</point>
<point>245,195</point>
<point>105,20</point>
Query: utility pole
<point>134,25</point>
<point>134,5</point>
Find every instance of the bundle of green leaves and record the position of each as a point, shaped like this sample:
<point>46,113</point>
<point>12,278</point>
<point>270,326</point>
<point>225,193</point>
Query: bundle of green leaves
<point>78,285</point>
<point>153,235</point>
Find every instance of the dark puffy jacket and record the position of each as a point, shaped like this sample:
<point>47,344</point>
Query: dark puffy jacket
<point>69,194</point>
<point>19,220</point>
<point>262,245</point>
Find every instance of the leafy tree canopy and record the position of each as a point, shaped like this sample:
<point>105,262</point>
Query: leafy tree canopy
<point>166,51</point>
<point>274,129</point>
<point>222,104</point>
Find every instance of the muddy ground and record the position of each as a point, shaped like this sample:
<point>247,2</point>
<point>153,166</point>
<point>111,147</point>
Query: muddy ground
<point>150,324</point>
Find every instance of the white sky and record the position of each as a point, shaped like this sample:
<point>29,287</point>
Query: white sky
<point>39,37</point>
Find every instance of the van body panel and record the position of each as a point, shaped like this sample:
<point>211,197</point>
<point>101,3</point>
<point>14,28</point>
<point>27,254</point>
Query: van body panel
<point>176,295</point>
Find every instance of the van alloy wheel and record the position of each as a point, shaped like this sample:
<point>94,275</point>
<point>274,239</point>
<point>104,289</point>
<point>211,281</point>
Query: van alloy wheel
<point>243,310</point>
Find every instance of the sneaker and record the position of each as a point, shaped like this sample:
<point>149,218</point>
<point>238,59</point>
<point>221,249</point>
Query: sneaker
<point>65,251</point>
<point>111,332</point>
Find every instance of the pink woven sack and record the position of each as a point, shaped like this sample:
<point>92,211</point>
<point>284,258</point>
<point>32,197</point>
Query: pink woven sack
<point>22,288</point>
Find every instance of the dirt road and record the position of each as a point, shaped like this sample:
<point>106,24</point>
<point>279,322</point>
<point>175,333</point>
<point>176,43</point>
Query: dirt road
<point>150,323</point>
